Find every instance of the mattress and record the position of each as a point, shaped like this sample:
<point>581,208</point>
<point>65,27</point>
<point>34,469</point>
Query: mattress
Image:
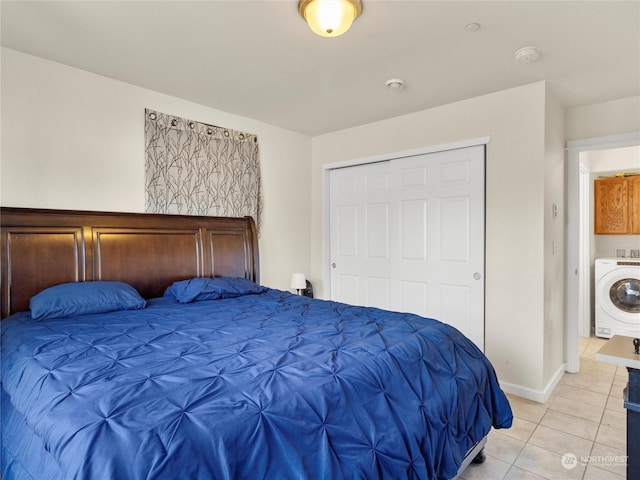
<point>269,385</point>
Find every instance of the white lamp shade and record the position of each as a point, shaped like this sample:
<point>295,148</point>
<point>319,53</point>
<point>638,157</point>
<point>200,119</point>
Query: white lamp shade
<point>298,282</point>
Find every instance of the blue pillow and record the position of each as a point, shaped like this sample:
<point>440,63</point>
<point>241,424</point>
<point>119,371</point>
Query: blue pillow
<point>83,298</point>
<point>204,288</point>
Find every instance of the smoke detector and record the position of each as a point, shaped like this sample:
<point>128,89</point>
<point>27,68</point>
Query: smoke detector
<point>472,27</point>
<point>527,54</point>
<point>394,84</point>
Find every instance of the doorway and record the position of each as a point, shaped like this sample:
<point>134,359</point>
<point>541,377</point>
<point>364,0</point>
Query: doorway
<point>578,240</point>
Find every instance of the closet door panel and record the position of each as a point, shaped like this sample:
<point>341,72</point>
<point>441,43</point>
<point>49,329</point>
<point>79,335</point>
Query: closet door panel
<point>361,234</point>
<point>415,236</point>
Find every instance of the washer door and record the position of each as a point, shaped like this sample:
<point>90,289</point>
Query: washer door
<point>619,294</point>
<point>625,295</point>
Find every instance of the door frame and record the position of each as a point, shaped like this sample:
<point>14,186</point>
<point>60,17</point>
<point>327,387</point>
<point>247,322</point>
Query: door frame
<point>326,170</point>
<point>578,232</point>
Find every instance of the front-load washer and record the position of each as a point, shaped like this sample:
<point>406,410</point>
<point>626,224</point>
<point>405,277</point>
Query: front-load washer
<point>617,297</point>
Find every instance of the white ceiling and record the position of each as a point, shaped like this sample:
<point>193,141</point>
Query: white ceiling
<point>258,59</point>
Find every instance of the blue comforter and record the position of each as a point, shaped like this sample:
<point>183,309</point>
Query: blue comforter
<point>268,386</point>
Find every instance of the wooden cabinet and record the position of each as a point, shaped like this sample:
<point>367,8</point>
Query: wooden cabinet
<point>617,206</point>
<point>634,204</point>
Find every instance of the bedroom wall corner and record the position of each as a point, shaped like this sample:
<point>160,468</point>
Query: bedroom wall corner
<point>72,139</point>
<point>514,119</point>
<point>554,238</point>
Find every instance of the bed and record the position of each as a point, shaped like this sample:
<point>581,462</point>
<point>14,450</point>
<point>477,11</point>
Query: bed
<point>206,374</point>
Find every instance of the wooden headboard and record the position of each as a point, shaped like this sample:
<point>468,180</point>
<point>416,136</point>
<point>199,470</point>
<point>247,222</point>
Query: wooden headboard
<point>41,248</point>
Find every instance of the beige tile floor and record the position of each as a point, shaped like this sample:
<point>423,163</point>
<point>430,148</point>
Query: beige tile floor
<point>584,417</point>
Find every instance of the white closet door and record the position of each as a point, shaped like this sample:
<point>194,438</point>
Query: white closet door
<point>360,234</point>
<point>408,235</point>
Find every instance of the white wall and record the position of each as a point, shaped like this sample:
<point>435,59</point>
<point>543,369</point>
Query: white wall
<point>603,119</point>
<point>75,140</point>
<point>515,233</point>
<point>554,236</point>
<point>612,160</point>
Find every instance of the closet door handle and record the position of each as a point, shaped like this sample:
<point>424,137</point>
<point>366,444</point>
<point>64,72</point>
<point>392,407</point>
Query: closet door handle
<point>477,276</point>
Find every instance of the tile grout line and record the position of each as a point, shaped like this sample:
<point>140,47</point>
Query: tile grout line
<point>595,375</point>
<point>547,408</point>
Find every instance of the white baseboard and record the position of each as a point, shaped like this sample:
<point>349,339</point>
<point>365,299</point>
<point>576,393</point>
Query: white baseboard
<point>540,396</point>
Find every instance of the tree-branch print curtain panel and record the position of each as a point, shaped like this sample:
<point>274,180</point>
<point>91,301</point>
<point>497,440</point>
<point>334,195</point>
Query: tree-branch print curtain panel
<point>197,169</point>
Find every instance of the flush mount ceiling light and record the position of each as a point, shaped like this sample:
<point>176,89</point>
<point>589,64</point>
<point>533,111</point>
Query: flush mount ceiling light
<point>329,18</point>
<point>527,54</point>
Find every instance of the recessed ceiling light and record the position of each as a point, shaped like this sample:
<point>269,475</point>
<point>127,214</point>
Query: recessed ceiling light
<point>472,27</point>
<point>527,54</point>
<point>394,84</point>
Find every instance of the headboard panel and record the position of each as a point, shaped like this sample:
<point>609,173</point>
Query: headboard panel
<point>41,248</point>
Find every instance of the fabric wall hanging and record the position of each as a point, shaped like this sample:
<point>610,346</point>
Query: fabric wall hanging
<point>193,168</point>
